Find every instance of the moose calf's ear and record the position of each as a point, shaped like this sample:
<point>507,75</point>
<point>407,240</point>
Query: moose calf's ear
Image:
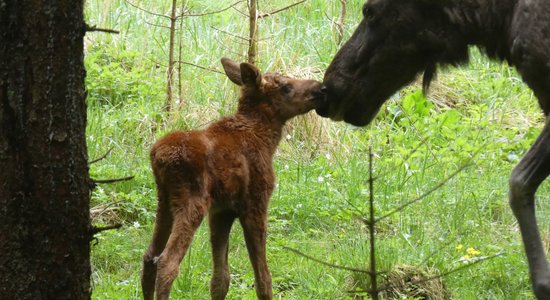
<point>250,75</point>
<point>232,70</point>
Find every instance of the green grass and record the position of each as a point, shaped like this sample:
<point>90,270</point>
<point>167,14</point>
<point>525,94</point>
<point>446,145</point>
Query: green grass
<point>481,113</point>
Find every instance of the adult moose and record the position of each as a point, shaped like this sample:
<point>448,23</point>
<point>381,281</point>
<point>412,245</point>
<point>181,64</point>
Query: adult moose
<point>398,39</point>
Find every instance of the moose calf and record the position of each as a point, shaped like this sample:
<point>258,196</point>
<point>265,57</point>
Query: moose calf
<point>227,172</point>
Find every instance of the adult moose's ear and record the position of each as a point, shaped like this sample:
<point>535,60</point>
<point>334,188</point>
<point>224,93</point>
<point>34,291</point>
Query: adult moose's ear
<point>232,70</point>
<point>250,75</point>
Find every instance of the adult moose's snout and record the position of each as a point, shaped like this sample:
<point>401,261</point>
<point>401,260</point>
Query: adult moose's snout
<point>320,96</point>
<point>322,107</point>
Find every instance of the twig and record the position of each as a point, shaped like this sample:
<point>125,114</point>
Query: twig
<point>373,284</point>
<point>201,67</point>
<point>95,230</point>
<point>329,264</point>
<point>269,14</point>
<point>157,25</point>
<point>96,181</point>
<point>147,11</point>
<point>101,157</point>
<point>433,189</point>
<point>231,34</point>
<point>210,12</point>
<point>240,12</point>
<point>95,28</point>
<point>409,155</point>
<point>103,208</point>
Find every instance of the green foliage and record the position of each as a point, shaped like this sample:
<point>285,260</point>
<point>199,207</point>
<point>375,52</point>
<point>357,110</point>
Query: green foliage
<point>481,113</point>
<point>115,77</point>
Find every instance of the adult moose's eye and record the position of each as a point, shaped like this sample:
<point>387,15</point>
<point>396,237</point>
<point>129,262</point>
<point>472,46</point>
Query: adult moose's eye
<point>287,88</point>
<point>368,13</point>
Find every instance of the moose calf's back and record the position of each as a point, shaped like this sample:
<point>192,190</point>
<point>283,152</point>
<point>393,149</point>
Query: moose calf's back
<point>220,161</point>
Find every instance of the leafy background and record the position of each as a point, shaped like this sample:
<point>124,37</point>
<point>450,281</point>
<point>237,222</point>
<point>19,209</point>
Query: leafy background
<point>481,114</point>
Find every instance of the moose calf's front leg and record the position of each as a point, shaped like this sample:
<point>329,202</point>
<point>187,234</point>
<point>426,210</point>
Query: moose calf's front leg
<point>255,230</point>
<point>525,179</point>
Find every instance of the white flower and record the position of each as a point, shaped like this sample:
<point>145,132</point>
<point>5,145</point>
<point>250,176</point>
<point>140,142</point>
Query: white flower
<point>320,179</point>
<point>288,137</point>
<point>136,224</point>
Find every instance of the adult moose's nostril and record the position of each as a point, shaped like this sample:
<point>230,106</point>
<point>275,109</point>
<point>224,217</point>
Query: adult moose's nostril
<point>323,90</point>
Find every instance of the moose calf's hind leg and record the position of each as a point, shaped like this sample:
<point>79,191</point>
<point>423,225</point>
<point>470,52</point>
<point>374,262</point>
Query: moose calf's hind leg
<point>255,230</point>
<point>525,179</point>
<point>161,232</point>
<point>220,227</point>
<point>186,222</point>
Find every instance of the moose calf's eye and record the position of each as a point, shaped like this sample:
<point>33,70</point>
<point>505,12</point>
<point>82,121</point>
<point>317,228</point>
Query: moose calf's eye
<point>286,89</point>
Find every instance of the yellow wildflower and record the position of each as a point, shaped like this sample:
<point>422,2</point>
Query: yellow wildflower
<point>473,252</point>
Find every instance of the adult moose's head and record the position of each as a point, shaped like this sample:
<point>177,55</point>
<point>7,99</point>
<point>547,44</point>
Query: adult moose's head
<point>395,41</point>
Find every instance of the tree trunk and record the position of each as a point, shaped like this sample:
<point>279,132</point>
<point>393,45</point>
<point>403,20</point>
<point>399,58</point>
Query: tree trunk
<point>341,20</point>
<point>253,38</point>
<point>44,183</point>
<point>171,63</point>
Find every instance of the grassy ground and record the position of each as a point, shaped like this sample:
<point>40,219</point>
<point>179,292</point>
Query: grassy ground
<point>481,114</point>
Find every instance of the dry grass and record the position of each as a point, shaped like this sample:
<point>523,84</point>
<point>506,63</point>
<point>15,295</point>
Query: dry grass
<point>405,282</point>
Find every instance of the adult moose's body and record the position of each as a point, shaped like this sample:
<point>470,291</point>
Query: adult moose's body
<point>398,39</point>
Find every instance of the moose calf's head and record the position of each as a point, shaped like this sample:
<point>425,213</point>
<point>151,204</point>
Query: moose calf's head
<point>395,41</point>
<point>272,95</point>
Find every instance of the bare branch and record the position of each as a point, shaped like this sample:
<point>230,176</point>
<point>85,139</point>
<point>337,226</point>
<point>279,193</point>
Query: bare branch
<point>241,12</point>
<point>147,11</point>
<point>201,67</point>
<point>373,280</point>
<point>156,25</point>
<point>95,230</point>
<point>100,209</point>
<point>101,157</point>
<point>95,28</point>
<point>183,15</point>
<point>96,181</point>
<point>231,34</point>
<point>269,14</point>
<point>433,189</point>
<point>329,264</point>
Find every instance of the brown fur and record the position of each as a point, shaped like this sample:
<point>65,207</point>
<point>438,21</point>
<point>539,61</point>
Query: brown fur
<point>225,171</point>
<point>398,39</point>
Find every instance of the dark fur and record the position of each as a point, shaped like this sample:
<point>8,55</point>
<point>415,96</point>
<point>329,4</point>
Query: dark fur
<point>226,171</point>
<point>400,39</point>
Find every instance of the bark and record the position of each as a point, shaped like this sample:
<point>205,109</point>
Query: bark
<point>44,191</point>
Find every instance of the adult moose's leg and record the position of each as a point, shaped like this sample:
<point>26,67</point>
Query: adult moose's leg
<point>187,218</point>
<point>220,226</point>
<point>525,179</point>
<point>255,230</point>
<point>163,227</point>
